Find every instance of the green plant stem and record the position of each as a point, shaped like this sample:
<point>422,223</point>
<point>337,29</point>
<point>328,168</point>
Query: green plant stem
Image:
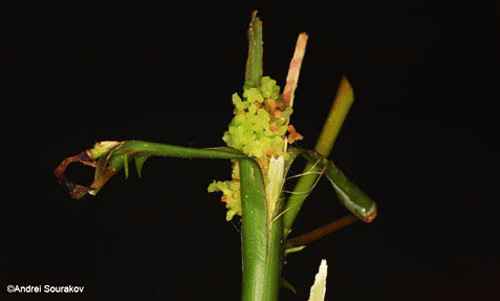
<point>109,157</point>
<point>138,148</point>
<point>261,241</point>
<point>338,112</point>
<point>261,234</point>
<point>253,72</point>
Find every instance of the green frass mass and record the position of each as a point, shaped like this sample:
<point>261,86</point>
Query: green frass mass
<point>259,129</point>
<point>260,123</point>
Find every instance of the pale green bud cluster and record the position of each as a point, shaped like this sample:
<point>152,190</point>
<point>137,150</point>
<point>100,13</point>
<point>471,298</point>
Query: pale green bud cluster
<point>230,192</point>
<point>258,129</point>
<point>260,123</point>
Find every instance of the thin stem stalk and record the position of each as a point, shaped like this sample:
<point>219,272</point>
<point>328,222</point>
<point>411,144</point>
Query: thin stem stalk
<point>254,64</point>
<point>338,112</point>
<point>322,231</point>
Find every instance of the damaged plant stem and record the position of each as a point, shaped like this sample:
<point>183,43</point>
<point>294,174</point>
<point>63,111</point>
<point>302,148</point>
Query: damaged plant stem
<point>257,142</point>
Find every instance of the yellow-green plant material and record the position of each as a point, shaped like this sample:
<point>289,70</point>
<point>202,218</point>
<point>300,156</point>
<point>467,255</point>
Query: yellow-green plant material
<point>258,143</point>
<point>318,289</point>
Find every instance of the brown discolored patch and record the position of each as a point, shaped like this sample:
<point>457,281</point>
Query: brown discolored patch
<point>273,127</point>
<point>293,135</point>
<point>277,114</point>
<point>271,153</point>
<point>76,191</point>
<point>102,174</point>
<point>271,105</point>
<point>371,216</point>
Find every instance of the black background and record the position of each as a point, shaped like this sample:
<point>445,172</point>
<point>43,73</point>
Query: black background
<point>419,139</point>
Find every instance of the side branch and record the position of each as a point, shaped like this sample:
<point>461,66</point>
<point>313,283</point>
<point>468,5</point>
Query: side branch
<point>109,157</point>
<point>322,231</point>
<point>340,107</point>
